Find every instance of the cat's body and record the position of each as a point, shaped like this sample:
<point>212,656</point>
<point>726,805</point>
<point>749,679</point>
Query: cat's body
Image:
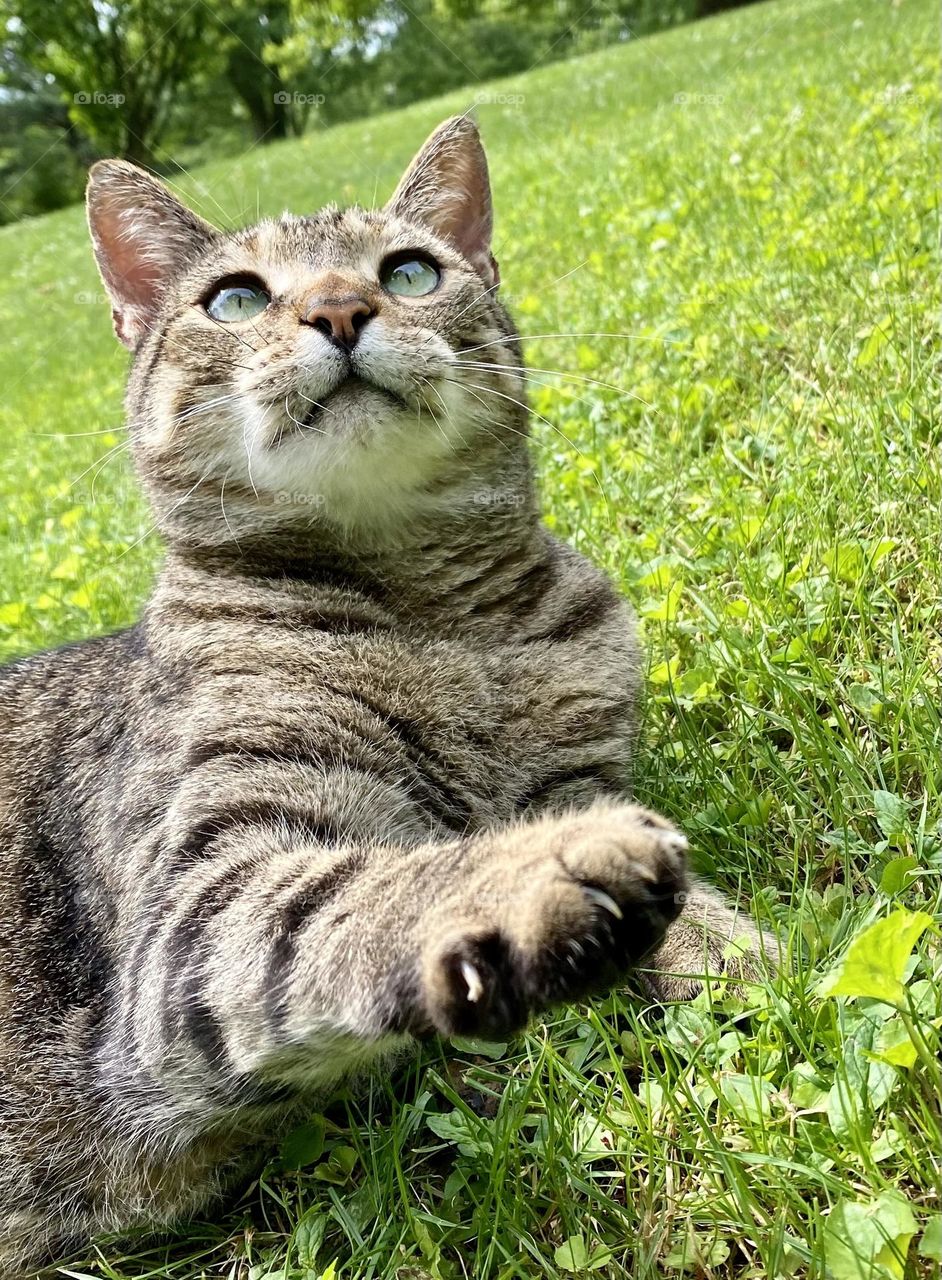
<point>358,773</point>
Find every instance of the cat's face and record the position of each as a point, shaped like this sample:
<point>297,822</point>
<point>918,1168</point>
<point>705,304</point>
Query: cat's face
<point>343,367</point>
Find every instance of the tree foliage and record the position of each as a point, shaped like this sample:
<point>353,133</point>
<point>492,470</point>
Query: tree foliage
<point>155,79</point>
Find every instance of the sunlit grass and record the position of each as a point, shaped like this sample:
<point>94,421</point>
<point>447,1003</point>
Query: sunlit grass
<point>751,204</point>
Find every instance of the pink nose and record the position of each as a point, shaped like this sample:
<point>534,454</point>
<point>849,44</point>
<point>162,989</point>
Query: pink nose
<point>339,319</point>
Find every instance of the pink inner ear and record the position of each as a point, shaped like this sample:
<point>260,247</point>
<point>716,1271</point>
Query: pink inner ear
<point>133,275</point>
<point>466,215</point>
<point>141,234</point>
<point>463,217</point>
<point>143,280</point>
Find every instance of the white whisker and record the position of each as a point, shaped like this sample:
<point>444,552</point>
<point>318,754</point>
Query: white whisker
<point>557,373</point>
<point>532,337</point>
<point>222,504</point>
<point>195,410</point>
<point>147,532</point>
<point>248,455</point>
<point>551,425</point>
<point>104,459</point>
<point>305,426</point>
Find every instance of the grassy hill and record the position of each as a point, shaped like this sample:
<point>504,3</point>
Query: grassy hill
<point>734,223</point>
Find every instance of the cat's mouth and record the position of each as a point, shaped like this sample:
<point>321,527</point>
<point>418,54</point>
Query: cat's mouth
<point>351,392</point>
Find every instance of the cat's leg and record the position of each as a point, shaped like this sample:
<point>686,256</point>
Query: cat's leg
<point>274,961</point>
<point>709,939</point>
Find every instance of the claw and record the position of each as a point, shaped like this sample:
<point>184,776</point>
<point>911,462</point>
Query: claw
<point>473,981</point>
<point>602,899</point>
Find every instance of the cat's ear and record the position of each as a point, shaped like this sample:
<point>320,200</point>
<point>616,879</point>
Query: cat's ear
<point>142,237</point>
<point>446,187</point>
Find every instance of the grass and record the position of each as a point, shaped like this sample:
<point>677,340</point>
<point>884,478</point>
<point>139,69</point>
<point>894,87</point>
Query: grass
<point>750,202</point>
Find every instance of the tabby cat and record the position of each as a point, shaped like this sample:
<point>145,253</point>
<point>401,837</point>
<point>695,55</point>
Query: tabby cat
<point>358,774</point>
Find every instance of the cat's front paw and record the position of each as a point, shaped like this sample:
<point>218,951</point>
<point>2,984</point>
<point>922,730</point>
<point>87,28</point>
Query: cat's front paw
<point>559,909</point>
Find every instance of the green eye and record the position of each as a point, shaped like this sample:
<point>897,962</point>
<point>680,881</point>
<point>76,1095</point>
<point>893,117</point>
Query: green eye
<point>237,302</point>
<point>410,277</point>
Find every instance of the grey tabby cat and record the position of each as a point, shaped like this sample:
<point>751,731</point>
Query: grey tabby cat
<point>358,773</point>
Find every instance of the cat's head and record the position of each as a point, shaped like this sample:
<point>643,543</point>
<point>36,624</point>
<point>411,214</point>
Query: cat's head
<point>353,368</point>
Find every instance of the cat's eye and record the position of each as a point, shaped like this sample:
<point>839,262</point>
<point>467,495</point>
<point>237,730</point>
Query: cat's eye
<point>410,275</point>
<point>234,302</point>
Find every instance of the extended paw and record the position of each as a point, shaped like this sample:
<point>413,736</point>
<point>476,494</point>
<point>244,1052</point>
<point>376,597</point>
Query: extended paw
<point>560,909</point>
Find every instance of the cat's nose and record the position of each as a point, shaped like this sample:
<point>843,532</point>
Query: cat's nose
<point>339,319</point>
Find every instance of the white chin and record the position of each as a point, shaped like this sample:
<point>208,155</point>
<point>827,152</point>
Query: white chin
<point>364,460</point>
<point>361,410</point>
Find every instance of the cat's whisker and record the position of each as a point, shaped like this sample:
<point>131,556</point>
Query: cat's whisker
<point>204,191</point>
<point>592,404</point>
<point>494,287</point>
<point>103,459</point>
<point>169,512</point>
<point>429,383</point>
<point>248,455</point>
<point>435,419</point>
<point>195,410</point>
<point>481,425</point>
<point>323,407</point>
<point>73,435</point>
<point>537,382</point>
<point>222,504</point>
<point>556,373</point>
<point>93,497</point>
<point>184,347</point>
<point>533,337</point>
<point>262,342</point>
<point>469,386</point>
<point>229,329</point>
<point>475,300</point>
<point>553,427</point>
<point>305,426</point>
<point>477,386</point>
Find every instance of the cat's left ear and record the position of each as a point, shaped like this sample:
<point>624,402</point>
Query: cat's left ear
<point>143,237</point>
<point>446,188</point>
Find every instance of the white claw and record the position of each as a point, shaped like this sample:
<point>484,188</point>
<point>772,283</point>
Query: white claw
<point>601,899</point>
<point>473,980</point>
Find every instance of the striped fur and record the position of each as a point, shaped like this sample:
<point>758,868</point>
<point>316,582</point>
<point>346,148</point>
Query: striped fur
<point>356,776</point>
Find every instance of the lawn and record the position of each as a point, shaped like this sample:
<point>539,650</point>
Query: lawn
<point>725,237</point>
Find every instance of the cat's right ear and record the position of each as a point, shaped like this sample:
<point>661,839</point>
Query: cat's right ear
<point>142,237</point>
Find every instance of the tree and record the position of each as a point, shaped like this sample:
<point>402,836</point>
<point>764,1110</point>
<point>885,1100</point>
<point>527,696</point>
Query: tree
<point>249,30</point>
<point>115,67</point>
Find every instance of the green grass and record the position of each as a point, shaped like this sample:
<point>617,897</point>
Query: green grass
<point>767,491</point>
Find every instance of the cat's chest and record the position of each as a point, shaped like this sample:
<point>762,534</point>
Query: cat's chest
<point>471,730</point>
